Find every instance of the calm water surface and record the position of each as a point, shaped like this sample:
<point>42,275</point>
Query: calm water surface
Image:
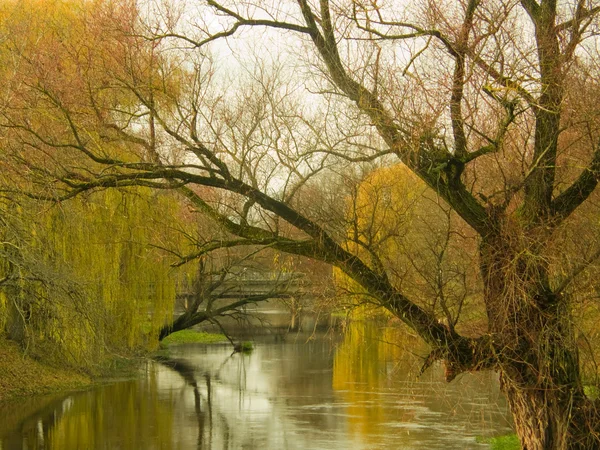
<point>357,392</point>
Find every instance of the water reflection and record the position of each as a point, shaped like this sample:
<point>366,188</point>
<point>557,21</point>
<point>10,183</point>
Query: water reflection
<point>360,393</point>
<point>378,379</point>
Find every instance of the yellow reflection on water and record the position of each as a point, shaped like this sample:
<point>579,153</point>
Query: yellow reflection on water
<point>366,364</point>
<point>144,418</point>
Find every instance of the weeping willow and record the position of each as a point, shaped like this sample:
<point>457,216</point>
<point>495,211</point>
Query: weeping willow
<point>79,279</point>
<point>93,280</point>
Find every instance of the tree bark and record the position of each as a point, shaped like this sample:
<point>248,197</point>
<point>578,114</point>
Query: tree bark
<point>555,416</point>
<point>538,361</point>
<point>186,320</point>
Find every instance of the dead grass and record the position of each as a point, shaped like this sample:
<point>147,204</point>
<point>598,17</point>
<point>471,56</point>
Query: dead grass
<point>21,375</point>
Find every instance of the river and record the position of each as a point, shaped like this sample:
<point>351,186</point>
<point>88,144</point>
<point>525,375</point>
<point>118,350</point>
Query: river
<point>356,391</point>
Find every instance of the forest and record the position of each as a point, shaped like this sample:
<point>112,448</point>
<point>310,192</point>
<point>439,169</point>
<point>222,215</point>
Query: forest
<point>439,161</point>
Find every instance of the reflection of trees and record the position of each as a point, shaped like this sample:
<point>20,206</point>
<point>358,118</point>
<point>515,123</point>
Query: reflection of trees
<point>281,390</point>
<point>367,367</point>
<point>27,424</point>
<point>218,425</point>
<point>281,395</point>
<point>304,372</point>
<point>363,365</point>
<point>188,373</point>
<point>92,420</point>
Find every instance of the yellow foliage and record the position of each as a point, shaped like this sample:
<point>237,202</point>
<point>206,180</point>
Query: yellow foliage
<point>381,213</point>
<point>3,309</point>
<point>144,411</point>
<point>398,225</point>
<point>89,279</point>
<point>64,61</point>
<point>82,62</point>
<point>105,241</point>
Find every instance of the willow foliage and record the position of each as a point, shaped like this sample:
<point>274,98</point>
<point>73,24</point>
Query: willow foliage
<point>78,278</point>
<point>88,280</point>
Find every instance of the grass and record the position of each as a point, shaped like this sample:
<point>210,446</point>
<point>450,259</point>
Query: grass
<point>506,442</point>
<point>342,313</point>
<point>192,337</point>
<point>21,375</point>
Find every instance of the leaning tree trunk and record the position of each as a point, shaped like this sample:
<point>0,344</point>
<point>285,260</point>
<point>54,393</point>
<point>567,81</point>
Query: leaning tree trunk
<point>536,350</point>
<point>186,320</point>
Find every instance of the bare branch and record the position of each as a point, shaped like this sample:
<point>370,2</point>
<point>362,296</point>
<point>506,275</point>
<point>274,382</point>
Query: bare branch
<point>575,272</point>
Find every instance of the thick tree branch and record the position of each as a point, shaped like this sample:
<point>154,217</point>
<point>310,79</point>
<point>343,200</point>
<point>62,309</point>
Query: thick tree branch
<point>450,188</point>
<point>323,248</point>
<point>496,143</point>
<point>453,49</point>
<point>532,8</point>
<point>539,185</point>
<point>582,13</point>
<point>240,22</point>
<point>458,82</point>
<point>192,318</point>
<point>569,199</point>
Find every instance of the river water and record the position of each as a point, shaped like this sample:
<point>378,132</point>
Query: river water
<point>356,391</point>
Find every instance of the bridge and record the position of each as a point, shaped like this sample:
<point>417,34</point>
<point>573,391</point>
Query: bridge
<point>260,284</point>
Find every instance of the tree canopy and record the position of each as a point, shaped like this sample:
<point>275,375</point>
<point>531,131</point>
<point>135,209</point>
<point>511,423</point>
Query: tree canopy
<point>251,110</point>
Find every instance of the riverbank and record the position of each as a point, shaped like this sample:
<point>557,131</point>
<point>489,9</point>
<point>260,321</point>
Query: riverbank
<point>21,375</point>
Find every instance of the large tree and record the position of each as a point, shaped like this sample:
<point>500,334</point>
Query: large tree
<point>491,104</point>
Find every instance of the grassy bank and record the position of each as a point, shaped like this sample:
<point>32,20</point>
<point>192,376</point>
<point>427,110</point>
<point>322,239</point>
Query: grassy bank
<point>21,375</point>
<point>506,442</point>
<point>192,337</point>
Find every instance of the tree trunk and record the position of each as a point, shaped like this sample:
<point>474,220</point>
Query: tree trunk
<point>537,355</point>
<point>16,324</point>
<point>552,418</point>
<point>545,395</point>
<point>184,321</point>
<point>18,316</point>
<point>295,310</point>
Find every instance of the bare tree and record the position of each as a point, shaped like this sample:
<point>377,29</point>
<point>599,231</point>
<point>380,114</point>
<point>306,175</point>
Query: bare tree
<point>482,101</point>
<point>219,291</point>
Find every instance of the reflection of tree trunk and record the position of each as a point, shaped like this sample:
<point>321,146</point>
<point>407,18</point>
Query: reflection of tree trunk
<point>188,373</point>
<point>199,417</point>
<point>295,310</point>
<point>181,366</point>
